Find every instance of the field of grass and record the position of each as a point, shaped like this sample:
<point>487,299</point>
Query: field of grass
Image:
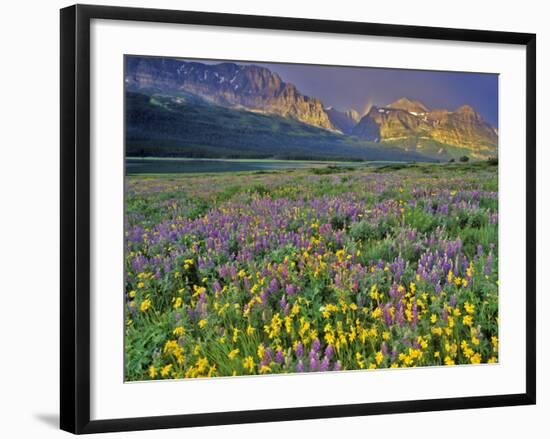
<point>311,270</point>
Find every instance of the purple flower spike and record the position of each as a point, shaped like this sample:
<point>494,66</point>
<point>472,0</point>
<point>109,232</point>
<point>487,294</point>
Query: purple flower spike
<point>316,345</point>
<point>268,355</point>
<point>325,363</point>
<point>290,289</point>
<point>299,349</point>
<point>329,351</point>
<point>273,285</point>
<point>279,357</point>
<point>300,367</point>
<point>313,364</point>
<point>337,366</point>
<point>452,302</point>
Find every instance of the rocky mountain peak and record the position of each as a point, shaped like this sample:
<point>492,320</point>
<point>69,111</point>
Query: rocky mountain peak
<point>343,121</point>
<point>250,86</point>
<point>409,105</point>
<point>407,121</point>
<point>353,115</point>
<point>465,109</point>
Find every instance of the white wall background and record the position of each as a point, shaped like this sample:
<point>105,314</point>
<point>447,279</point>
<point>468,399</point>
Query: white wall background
<point>29,186</point>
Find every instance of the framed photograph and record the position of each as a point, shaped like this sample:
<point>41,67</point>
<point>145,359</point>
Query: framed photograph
<point>267,219</point>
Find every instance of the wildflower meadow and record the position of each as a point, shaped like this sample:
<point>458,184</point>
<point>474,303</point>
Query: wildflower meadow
<point>311,270</point>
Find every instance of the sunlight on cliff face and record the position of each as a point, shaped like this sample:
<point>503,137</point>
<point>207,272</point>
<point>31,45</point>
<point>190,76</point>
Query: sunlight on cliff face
<point>366,108</point>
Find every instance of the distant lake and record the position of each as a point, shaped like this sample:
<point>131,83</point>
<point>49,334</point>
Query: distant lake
<point>186,166</point>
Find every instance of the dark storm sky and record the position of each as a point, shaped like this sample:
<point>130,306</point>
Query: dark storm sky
<point>360,87</point>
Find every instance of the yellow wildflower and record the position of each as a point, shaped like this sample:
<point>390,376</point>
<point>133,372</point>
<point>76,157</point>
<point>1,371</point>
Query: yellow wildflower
<point>145,305</point>
<point>476,358</point>
<point>178,331</point>
<point>248,363</point>
<point>377,312</point>
<point>265,369</point>
<point>166,370</point>
<point>261,351</point>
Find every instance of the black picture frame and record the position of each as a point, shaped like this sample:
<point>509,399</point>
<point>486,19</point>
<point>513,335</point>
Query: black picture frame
<point>75,217</point>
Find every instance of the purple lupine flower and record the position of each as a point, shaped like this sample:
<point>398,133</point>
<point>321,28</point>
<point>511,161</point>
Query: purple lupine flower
<point>325,363</point>
<point>399,314</point>
<point>479,249</point>
<point>290,290</point>
<point>279,357</point>
<point>268,355</point>
<point>337,366</point>
<point>414,312</point>
<point>273,285</point>
<point>313,364</point>
<point>394,293</point>
<point>316,345</point>
<point>452,301</point>
<point>329,351</point>
<point>299,349</point>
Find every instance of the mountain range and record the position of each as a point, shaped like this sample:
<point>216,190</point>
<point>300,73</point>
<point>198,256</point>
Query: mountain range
<point>186,106</point>
<point>411,121</point>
